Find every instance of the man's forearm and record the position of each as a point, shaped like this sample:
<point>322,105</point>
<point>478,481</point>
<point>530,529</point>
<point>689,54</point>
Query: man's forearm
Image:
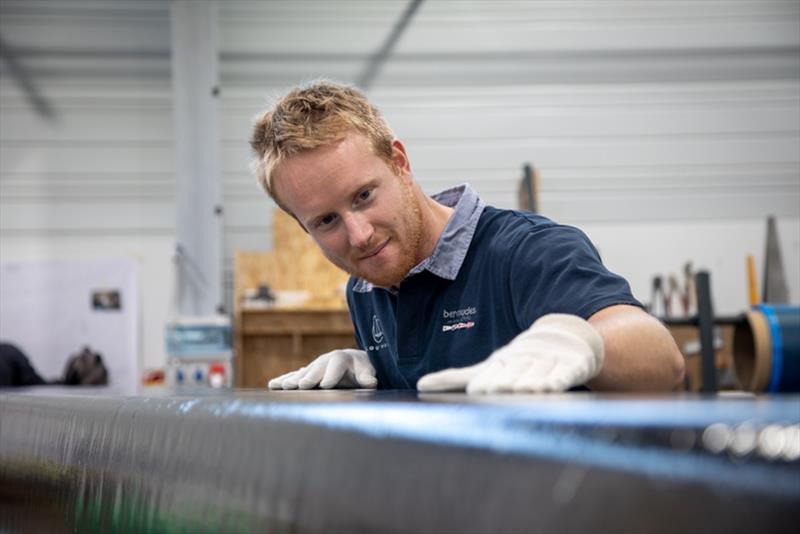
<point>640,353</point>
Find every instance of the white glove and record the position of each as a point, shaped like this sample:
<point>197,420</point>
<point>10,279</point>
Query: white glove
<point>557,352</point>
<point>343,368</point>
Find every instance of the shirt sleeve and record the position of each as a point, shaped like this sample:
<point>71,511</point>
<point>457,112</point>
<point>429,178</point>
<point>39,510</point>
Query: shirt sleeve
<point>351,308</point>
<point>557,270</point>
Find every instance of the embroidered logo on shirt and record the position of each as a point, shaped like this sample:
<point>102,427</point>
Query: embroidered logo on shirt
<point>457,326</point>
<point>377,335</point>
<point>377,330</point>
<point>458,319</point>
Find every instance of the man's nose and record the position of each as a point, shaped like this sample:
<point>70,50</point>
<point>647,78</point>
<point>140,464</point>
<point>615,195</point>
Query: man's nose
<point>359,230</point>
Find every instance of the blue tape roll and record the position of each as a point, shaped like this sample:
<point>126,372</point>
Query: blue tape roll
<point>784,326</point>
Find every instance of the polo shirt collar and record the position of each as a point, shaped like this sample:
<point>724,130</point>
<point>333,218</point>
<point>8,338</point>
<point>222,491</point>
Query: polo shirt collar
<point>451,249</point>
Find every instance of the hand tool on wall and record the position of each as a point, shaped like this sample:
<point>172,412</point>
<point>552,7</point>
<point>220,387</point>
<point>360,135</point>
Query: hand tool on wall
<point>673,291</point>
<point>752,285</point>
<point>528,191</point>
<point>775,290</point>
<point>689,296</point>
<point>656,297</point>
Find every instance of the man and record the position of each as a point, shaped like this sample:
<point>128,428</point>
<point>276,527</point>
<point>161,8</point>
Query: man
<point>446,293</point>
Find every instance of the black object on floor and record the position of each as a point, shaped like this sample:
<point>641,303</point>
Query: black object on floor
<point>16,368</point>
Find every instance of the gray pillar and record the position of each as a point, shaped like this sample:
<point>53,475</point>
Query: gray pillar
<point>198,175</point>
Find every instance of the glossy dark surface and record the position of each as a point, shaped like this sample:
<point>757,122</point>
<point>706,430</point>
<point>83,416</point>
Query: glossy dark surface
<point>396,461</point>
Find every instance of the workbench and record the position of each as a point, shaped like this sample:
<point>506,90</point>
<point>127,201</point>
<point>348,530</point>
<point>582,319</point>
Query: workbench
<point>388,461</point>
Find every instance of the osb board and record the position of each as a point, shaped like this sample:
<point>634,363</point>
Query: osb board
<point>295,263</point>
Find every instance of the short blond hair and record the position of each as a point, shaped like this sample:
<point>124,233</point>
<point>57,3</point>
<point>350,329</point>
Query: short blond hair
<point>306,118</point>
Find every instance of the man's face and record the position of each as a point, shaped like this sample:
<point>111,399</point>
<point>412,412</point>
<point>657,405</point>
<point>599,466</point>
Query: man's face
<point>363,215</point>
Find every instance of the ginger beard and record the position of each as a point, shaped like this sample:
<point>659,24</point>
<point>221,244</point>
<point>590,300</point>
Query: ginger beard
<point>406,235</point>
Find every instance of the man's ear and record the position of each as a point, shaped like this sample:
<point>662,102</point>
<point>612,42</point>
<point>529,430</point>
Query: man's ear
<point>400,159</point>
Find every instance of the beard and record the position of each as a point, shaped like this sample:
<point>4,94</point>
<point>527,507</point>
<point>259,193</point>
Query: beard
<point>408,243</point>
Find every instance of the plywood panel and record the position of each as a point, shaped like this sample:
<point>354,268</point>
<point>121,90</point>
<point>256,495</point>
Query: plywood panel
<point>295,264</point>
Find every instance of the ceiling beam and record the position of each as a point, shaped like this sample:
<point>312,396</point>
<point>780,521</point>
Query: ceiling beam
<point>377,59</point>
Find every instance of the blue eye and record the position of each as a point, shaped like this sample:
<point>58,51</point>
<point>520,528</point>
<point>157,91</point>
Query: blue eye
<point>326,220</point>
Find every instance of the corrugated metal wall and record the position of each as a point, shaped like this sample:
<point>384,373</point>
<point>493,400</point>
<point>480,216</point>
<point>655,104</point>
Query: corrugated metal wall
<point>670,121</point>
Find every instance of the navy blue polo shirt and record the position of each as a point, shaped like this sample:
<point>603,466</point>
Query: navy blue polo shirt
<point>492,274</point>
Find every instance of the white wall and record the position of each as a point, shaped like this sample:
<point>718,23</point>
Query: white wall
<point>667,130</point>
<point>96,178</point>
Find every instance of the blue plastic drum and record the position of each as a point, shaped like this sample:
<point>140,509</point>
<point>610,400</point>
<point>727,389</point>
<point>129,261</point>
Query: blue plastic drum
<point>766,349</point>
<point>784,327</point>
